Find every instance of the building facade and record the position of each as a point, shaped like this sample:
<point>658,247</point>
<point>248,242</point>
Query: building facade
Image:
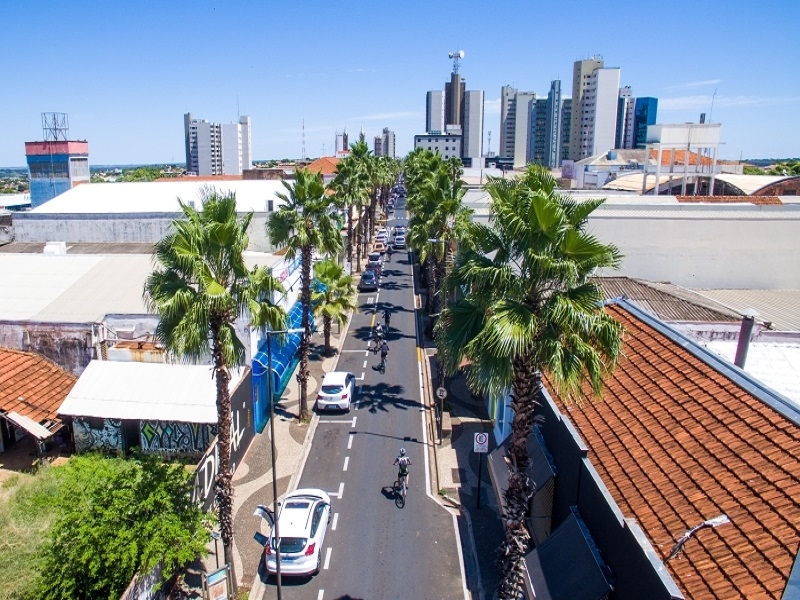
<point>217,149</point>
<point>55,167</point>
<point>434,111</point>
<point>644,114</point>
<point>633,117</point>
<point>446,144</point>
<point>473,126</point>
<point>625,105</point>
<point>383,144</point>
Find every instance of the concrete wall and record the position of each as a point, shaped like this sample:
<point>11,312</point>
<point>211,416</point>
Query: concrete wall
<point>69,345</point>
<point>750,247</point>
<point>115,228</point>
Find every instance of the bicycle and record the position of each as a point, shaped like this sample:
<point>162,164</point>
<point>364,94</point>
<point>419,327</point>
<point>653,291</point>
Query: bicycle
<point>387,316</point>
<point>400,488</point>
<point>382,365</point>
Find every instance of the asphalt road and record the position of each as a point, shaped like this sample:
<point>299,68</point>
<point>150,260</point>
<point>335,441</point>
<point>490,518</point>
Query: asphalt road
<point>373,549</point>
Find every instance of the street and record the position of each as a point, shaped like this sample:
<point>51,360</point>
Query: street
<point>373,549</point>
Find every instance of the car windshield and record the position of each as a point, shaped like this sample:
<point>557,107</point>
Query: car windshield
<point>368,275</point>
<point>332,389</point>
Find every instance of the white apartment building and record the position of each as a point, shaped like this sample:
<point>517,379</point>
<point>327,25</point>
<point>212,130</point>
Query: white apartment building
<point>515,124</point>
<point>446,144</point>
<point>217,149</point>
<point>473,126</point>
<point>434,111</point>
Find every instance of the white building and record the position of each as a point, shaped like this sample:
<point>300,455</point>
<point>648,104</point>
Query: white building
<point>434,111</point>
<point>595,91</point>
<point>446,144</point>
<point>217,149</point>
<point>515,124</point>
<point>473,126</point>
<point>384,143</point>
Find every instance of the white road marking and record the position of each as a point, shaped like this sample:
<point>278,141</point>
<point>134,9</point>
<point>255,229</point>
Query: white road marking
<point>341,490</point>
<point>350,440</point>
<point>364,366</point>
<point>335,421</point>
<point>327,558</point>
<point>354,421</point>
<point>319,595</point>
<point>346,461</point>
<point>335,521</point>
<point>344,351</point>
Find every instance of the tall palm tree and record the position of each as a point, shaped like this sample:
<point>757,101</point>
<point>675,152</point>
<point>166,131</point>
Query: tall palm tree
<point>199,287</point>
<point>529,307</point>
<point>303,224</point>
<point>334,298</point>
<point>350,189</point>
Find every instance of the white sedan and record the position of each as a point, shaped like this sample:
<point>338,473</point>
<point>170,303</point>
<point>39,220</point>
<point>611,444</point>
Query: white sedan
<point>337,391</point>
<point>303,519</point>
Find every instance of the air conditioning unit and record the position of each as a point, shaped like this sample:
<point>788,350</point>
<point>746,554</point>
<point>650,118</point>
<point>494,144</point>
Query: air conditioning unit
<point>125,333</point>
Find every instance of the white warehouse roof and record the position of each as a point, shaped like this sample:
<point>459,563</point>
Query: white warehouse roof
<point>146,391</point>
<point>159,196</point>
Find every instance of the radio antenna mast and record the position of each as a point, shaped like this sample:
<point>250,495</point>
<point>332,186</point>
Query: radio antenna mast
<point>456,56</point>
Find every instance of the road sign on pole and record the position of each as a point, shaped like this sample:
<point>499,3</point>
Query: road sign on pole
<point>441,393</point>
<point>481,443</point>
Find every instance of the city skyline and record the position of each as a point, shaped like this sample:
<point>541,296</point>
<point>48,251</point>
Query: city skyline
<point>126,78</point>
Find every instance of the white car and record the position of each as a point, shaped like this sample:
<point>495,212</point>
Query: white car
<point>337,391</point>
<point>400,242</point>
<point>303,519</point>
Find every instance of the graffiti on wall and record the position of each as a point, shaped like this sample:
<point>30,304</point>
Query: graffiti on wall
<point>172,436</point>
<point>97,434</point>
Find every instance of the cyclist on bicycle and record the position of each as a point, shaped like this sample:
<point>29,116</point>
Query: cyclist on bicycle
<point>384,352</point>
<point>378,333</point>
<point>402,462</point>
<point>389,253</point>
<point>387,315</point>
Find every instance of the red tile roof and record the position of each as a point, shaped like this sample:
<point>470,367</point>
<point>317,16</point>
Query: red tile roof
<point>325,165</point>
<point>679,157</point>
<point>678,442</point>
<point>774,200</point>
<point>31,385</point>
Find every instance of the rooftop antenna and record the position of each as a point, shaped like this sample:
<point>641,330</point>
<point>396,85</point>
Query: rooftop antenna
<point>711,112</point>
<point>456,56</point>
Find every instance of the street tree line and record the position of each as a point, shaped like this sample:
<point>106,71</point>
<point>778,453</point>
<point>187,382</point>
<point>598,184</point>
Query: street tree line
<point>515,300</point>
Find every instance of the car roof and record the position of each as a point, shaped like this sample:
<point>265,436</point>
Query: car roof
<point>296,510</point>
<point>335,377</point>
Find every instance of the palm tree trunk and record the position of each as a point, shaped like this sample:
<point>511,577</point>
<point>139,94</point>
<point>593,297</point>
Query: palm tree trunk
<point>327,322</point>
<point>525,391</point>
<point>223,487</point>
<point>305,300</point>
<point>350,234</point>
<point>430,277</point>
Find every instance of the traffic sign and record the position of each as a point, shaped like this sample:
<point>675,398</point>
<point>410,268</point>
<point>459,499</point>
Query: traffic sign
<point>481,442</point>
<point>441,393</point>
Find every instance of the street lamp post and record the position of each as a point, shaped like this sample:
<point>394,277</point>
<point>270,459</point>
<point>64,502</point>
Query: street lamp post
<point>277,535</point>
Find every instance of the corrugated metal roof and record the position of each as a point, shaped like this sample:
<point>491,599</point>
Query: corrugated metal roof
<point>660,303</point>
<point>80,288</point>
<point>151,391</point>
<point>158,196</point>
<point>750,184</point>
<point>780,307</point>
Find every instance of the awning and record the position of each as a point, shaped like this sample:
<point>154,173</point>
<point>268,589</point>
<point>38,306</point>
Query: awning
<point>568,565</point>
<point>284,350</point>
<point>38,431</point>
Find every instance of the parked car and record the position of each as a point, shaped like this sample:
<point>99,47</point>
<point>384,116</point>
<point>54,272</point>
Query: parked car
<point>303,519</point>
<point>400,242</point>
<point>337,391</point>
<point>369,282</point>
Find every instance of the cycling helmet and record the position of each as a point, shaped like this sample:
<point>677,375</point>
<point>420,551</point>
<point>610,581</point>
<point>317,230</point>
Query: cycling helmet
<point>402,451</point>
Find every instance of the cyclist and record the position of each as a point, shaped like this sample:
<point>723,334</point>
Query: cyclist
<point>378,333</point>
<point>387,315</point>
<point>384,352</point>
<point>389,253</point>
<point>402,462</point>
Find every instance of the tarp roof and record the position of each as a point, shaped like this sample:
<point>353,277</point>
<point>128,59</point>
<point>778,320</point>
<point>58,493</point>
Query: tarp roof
<point>146,391</point>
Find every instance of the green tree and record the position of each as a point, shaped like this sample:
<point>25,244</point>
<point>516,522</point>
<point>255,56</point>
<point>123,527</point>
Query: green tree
<point>199,288</point>
<point>333,298</point>
<point>115,517</point>
<point>350,189</point>
<point>529,307</point>
<point>303,224</point>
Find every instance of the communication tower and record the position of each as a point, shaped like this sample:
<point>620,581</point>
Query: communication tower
<point>456,56</point>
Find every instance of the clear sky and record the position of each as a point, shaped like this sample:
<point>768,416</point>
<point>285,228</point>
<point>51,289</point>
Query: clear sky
<point>126,72</point>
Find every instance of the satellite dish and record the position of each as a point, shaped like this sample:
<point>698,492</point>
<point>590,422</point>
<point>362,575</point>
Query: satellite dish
<point>460,54</point>
<point>449,55</point>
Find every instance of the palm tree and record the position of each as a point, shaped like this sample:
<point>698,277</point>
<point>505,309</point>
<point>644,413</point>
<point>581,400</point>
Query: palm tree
<point>350,189</point>
<point>334,298</point>
<point>199,287</point>
<point>529,307</point>
<point>303,224</point>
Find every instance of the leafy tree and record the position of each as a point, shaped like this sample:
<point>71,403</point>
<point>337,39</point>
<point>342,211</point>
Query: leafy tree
<point>199,288</point>
<point>334,299</point>
<point>304,223</point>
<point>115,517</point>
<point>529,307</point>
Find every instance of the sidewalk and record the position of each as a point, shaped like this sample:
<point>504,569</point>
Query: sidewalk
<point>252,480</point>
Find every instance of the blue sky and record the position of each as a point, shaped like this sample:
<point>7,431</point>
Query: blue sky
<point>127,72</point>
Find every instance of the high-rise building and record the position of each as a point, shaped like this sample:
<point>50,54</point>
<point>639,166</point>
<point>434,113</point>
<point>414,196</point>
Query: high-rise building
<point>557,118</point>
<point>595,94</point>
<point>217,149</point>
<point>644,115</point>
<point>383,144</point>
<point>460,113</point>
<point>434,111</point>
<point>340,145</point>
<point>625,104</point>
<point>55,164</point>
<point>473,125</point>
<point>515,124</point>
